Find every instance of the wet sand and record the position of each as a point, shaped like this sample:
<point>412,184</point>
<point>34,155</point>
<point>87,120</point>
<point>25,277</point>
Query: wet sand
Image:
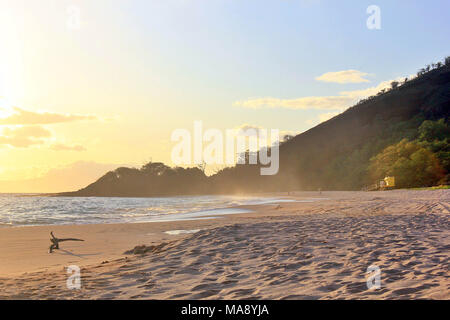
<point>299,250</point>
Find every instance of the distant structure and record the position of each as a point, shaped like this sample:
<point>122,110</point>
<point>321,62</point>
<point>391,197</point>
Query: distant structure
<point>388,183</point>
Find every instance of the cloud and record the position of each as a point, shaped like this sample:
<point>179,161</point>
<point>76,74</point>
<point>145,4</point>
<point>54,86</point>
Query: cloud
<point>346,76</point>
<point>340,102</point>
<point>63,147</point>
<point>24,117</point>
<point>23,137</point>
<point>26,136</point>
<point>364,93</point>
<point>322,103</point>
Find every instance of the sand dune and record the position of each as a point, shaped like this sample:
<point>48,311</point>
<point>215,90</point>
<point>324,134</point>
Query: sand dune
<point>318,250</point>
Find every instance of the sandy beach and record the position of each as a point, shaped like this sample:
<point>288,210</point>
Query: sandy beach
<point>292,250</point>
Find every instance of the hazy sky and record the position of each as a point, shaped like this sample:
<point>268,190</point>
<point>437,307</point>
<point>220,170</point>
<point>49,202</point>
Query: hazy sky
<point>110,87</point>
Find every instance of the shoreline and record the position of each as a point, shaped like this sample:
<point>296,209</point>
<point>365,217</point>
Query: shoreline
<point>220,206</point>
<point>131,233</point>
<point>24,248</point>
<point>325,246</point>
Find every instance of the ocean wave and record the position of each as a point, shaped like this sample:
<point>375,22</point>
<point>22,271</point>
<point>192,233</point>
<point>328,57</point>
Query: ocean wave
<point>24,210</point>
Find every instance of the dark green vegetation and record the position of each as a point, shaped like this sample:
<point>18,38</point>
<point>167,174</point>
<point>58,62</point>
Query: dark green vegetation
<point>402,132</point>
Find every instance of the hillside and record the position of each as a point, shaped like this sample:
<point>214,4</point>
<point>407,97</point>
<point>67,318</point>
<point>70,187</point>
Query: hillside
<point>334,154</point>
<point>338,154</point>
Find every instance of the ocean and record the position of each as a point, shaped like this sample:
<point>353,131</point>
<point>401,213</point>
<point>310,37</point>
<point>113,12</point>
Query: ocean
<point>30,210</point>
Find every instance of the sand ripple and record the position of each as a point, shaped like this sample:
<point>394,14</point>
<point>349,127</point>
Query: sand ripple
<point>296,257</point>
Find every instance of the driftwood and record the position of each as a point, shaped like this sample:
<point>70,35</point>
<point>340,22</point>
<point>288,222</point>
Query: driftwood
<point>55,242</point>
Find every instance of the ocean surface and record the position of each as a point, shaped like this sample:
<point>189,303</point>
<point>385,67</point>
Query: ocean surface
<point>27,210</point>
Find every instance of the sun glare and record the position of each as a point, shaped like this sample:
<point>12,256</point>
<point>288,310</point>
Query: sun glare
<point>5,108</point>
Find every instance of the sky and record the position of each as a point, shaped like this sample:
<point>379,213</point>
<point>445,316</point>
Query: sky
<point>87,86</point>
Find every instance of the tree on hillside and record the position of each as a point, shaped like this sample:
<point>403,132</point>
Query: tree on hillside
<point>411,164</point>
<point>394,84</point>
<point>447,61</point>
<point>435,136</point>
<point>201,166</point>
<point>154,168</point>
<point>287,137</point>
<point>434,130</point>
